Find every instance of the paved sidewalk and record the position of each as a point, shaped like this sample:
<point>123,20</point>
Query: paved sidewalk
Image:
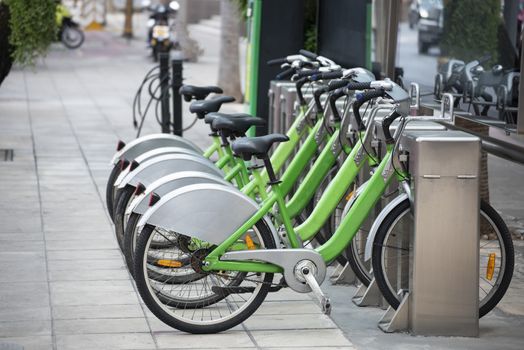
<point>63,283</point>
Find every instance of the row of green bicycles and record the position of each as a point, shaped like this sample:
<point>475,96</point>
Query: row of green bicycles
<point>208,234</point>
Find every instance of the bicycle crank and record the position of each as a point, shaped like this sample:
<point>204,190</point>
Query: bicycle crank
<point>303,269</point>
<point>306,272</point>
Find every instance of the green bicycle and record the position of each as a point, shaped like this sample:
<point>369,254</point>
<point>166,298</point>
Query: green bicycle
<point>245,244</point>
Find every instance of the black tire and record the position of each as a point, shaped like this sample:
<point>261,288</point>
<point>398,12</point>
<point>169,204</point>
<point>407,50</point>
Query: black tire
<point>355,257</point>
<point>150,298</point>
<point>72,37</point>
<point>363,274</point>
<point>123,197</point>
<point>110,189</point>
<point>486,211</point>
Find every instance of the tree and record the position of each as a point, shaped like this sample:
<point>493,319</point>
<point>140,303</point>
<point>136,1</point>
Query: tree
<point>229,67</point>
<point>189,46</point>
<point>471,29</point>
<point>6,49</point>
<point>27,28</point>
<point>128,21</point>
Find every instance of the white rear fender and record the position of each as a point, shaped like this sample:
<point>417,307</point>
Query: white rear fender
<point>169,183</point>
<point>165,150</point>
<point>149,142</point>
<point>209,212</point>
<point>157,167</point>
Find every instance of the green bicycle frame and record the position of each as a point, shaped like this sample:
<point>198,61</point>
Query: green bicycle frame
<point>347,229</point>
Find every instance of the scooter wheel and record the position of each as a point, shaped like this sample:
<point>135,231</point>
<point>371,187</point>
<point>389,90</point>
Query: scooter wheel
<point>72,37</point>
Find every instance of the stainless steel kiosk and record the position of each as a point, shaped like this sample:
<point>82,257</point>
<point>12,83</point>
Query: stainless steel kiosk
<point>443,296</point>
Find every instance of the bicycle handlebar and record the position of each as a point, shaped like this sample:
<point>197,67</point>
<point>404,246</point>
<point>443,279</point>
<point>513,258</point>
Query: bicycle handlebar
<point>328,75</point>
<point>360,100</point>
<point>338,93</point>
<point>285,74</point>
<point>277,61</point>
<point>386,123</point>
<point>308,54</point>
<point>358,86</point>
<point>299,83</point>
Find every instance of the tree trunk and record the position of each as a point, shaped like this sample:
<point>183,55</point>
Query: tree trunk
<point>128,22</point>
<point>189,47</point>
<point>229,68</point>
<point>6,50</point>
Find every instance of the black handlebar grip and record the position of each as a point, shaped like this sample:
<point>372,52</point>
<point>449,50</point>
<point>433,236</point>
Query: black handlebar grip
<point>285,74</point>
<point>307,72</point>
<point>277,61</point>
<point>316,95</point>
<point>358,86</point>
<point>361,99</point>
<point>299,83</point>
<point>328,75</point>
<point>308,54</point>
<point>337,84</point>
<point>332,102</point>
<point>386,123</point>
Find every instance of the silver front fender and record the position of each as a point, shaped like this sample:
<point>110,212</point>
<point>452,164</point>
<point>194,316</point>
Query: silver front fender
<point>149,142</point>
<point>209,212</point>
<point>169,183</point>
<point>157,167</point>
<point>376,224</point>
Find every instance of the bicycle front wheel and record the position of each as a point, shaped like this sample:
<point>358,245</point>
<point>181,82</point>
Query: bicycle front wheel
<point>391,246</point>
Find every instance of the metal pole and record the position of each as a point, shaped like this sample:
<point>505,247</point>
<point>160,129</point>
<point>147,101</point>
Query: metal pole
<point>393,14</point>
<point>176,83</point>
<point>164,91</point>
<point>520,116</point>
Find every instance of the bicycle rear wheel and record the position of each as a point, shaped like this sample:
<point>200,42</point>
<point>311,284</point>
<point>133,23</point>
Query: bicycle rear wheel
<point>110,189</point>
<point>214,303</point>
<point>392,244</point>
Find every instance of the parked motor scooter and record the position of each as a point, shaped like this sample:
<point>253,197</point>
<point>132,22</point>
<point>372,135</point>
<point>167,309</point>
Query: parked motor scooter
<point>160,37</point>
<point>69,32</point>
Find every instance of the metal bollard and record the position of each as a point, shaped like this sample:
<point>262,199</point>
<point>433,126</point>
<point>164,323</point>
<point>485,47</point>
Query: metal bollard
<point>176,83</point>
<point>164,91</point>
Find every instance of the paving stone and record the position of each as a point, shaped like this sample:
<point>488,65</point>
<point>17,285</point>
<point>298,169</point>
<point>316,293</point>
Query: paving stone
<point>25,328</point>
<point>96,286</point>
<point>27,343</point>
<point>81,244</point>
<point>226,340</point>
<point>18,269</point>
<point>112,341</point>
<point>289,321</point>
<point>89,275</point>
<point>93,298</point>
<point>97,311</point>
<point>83,264</point>
<point>84,254</point>
<point>301,338</point>
<point>24,313</point>
<point>99,326</point>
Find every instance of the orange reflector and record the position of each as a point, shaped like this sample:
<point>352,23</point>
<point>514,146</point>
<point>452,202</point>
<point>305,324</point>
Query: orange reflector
<point>348,197</point>
<point>249,242</point>
<point>491,266</point>
<point>169,263</point>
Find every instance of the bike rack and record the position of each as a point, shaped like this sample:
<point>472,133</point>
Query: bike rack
<point>370,295</point>
<point>443,284</point>
<point>274,95</point>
